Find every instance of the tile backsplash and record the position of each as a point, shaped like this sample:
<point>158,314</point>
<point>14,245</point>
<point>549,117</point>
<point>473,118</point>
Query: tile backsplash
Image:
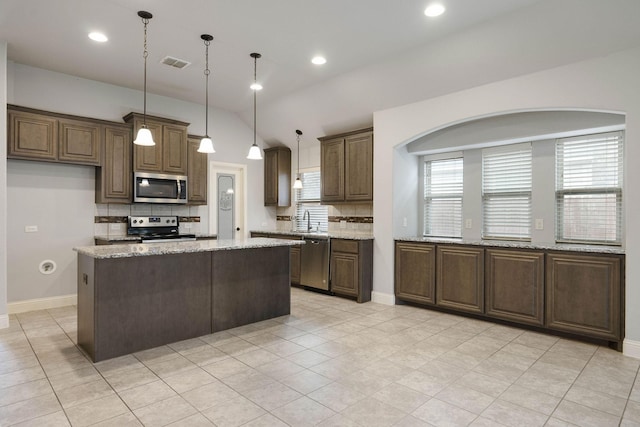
<point>111,219</point>
<point>341,217</point>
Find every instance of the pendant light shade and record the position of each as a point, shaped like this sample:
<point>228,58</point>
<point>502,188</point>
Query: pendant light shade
<point>298,182</point>
<point>206,144</point>
<point>254,152</point>
<point>144,136</point>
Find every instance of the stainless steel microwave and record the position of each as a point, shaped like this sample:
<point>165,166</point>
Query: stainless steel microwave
<point>159,188</point>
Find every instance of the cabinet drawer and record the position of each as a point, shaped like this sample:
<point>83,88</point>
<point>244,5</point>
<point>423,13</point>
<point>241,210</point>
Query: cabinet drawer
<point>339,245</point>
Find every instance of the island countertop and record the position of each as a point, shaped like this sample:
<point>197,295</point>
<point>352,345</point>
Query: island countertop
<point>345,234</point>
<point>167,248</point>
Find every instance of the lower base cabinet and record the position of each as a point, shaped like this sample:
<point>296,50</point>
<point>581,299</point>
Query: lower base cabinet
<point>515,285</point>
<point>584,295</point>
<point>351,267</point>
<point>295,265</point>
<point>581,294</point>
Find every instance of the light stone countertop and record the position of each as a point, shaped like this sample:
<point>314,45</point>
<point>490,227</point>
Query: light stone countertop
<point>348,235</point>
<point>135,238</point>
<point>168,248</point>
<point>601,249</point>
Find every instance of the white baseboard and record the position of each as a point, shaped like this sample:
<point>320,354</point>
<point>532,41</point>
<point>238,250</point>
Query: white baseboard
<point>382,298</point>
<point>631,348</point>
<point>4,321</point>
<point>41,303</point>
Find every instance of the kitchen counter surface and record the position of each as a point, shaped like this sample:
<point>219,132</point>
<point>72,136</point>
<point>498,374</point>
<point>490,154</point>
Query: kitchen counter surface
<point>146,249</point>
<point>348,235</point>
<point>519,245</point>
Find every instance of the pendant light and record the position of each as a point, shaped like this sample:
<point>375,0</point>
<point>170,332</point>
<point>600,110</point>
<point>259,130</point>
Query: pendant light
<point>144,136</point>
<point>206,145</point>
<point>298,182</point>
<point>254,151</point>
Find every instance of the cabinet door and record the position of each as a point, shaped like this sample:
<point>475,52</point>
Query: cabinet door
<point>113,179</point>
<point>295,265</point>
<point>460,278</point>
<point>174,149</point>
<point>196,173</point>
<point>344,273</point>
<point>148,159</point>
<point>79,142</point>
<point>583,294</point>
<point>515,285</point>
<point>270,178</point>
<point>415,272</point>
<point>32,136</point>
<point>358,180</point>
<point>332,170</point>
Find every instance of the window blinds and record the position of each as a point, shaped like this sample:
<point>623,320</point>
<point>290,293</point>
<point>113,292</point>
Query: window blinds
<point>443,189</point>
<point>308,199</point>
<point>506,192</point>
<point>589,188</point>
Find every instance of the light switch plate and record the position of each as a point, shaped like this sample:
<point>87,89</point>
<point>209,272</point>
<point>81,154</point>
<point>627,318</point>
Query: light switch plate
<point>468,223</point>
<point>30,228</point>
<point>539,224</point>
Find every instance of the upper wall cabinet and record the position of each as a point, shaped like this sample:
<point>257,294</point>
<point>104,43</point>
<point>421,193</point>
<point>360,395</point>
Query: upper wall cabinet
<point>196,172</point>
<point>169,155</point>
<point>346,167</point>
<point>44,136</point>
<point>277,176</point>
<point>113,179</point>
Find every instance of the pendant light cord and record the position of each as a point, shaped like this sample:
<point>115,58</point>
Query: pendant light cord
<point>255,80</point>
<point>206,73</point>
<point>145,21</point>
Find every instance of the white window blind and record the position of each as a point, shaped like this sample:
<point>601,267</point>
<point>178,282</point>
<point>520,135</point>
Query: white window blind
<point>589,188</point>
<point>308,200</point>
<point>506,192</point>
<point>443,190</point>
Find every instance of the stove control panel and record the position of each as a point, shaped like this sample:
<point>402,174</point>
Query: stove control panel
<point>152,221</point>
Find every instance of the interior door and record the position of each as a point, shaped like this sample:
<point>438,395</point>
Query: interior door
<point>227,200</point>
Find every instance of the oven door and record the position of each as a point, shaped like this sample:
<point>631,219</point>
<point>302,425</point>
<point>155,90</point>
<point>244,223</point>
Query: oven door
<point>159,188</point>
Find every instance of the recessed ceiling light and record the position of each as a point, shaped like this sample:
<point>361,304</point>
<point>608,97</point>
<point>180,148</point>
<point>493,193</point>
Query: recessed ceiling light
<point>434,10</point>
<point>256,86</point>
<point>98,37</point>
<point>319,60</point>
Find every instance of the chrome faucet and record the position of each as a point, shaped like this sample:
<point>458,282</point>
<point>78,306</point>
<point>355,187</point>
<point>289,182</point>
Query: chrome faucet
<point>308,215</point>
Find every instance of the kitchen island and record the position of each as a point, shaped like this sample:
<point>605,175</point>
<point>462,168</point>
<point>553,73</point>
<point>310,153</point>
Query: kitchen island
<point>138,296</point>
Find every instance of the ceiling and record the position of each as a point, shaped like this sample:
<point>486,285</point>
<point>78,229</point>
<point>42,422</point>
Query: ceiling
<point>380,53</point>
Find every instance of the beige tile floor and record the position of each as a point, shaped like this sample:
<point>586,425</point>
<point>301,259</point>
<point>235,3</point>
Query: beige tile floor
<point>332,362</point>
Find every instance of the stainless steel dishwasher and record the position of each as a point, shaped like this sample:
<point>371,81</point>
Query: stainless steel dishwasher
<point>314,263</point>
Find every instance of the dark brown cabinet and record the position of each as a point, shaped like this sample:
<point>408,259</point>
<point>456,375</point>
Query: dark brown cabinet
<point>460,278</point>
<point>584,294</point>
<point>113,178</point>
<point>415,272</point>
<point>169,155</point>
<point>39,135</point>
<point>346,167</point>
<point>277,176</point>
<point>196,172</point>
<point>351,267</point>
<point>515,285</point>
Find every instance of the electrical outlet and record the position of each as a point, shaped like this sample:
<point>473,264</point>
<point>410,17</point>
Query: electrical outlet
<point>539,224</point>
<point>31,229</point>
<point>187,225</point>
<point>114,227</point>
<point>404,221</point>
<point>468,223</point>
<point>343,224</point>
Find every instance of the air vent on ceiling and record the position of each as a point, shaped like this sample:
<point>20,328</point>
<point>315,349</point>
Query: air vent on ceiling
<point>175,62</point>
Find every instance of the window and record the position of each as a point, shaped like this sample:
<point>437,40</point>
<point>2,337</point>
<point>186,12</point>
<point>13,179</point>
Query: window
<point>589,188</point>
<point>443,197</point>
<point>506,192</point>
<point>308,199</point>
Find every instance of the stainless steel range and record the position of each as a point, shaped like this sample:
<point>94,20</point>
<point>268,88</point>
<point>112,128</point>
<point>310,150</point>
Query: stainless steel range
<point>157,229</point>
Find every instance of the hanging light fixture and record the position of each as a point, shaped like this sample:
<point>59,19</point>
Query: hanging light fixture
<point>298,182</point>
<point>254,151</point>
<point>144,136</point>
<point>206,145</point>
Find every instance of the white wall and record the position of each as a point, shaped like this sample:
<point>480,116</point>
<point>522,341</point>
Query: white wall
<point>4,319</point>
<point>48,194</point>
<point>602,84</point>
